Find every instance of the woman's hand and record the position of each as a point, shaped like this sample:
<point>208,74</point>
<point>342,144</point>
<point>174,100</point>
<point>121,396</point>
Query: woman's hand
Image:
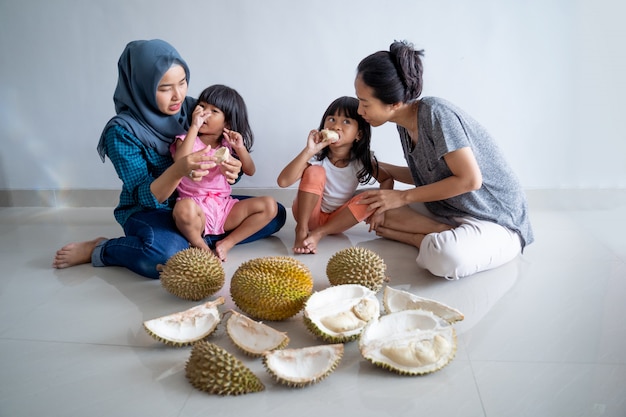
<point>382,200</point>
<point>196,165</point>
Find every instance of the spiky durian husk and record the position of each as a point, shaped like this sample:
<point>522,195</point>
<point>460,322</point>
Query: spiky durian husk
<point>285,364</point>
<point>178,326</point>
<point>258,338</point>
<point>357,265</point>
<point>192,274</point>
<point>271,288</point>
<point>212,369</point>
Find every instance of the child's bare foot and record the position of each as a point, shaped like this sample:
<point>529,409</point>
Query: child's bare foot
<point>311,241</point>
<point>221,249</point>
<point>75,253</point>
<point>299,246</point>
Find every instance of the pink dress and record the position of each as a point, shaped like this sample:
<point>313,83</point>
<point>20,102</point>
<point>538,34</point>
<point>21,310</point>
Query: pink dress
<point>212,194</point>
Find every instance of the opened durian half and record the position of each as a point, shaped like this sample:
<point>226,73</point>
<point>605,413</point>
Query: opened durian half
<point>304,366</point>
<point>409,342</point>
<point>253,337</point>
<point>186,327</point>
<point>398,300</point>
<point>338,314</point>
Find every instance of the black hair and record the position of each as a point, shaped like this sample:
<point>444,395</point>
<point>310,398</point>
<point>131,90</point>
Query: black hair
<point>348,107</point>
<point>230,102</point>
<point>394,76</point>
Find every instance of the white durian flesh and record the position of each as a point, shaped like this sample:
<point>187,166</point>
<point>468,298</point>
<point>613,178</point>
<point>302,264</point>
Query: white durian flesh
<point>186,327</point>
<point>409,342</point>
<point>397,300</point>
<point>339,313</point>
<point>303,366</point>
<point>253,337</point>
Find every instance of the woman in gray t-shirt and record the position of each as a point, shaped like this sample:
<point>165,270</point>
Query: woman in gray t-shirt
<point>477,215</point>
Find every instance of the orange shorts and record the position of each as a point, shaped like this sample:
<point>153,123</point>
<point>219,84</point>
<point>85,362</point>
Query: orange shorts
<point>313,181</point>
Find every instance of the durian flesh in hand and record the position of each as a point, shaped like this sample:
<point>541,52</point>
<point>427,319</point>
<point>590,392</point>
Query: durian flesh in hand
<point>409,342</point>
<point>338,314</point>
<point>186,327</point>
<point>252,337</point>
<point>212,369</point>
<point>192,274</point>
<point>398,300</point>
<point>271,288</point>
<point>357,265</point>
<point>303,366</point>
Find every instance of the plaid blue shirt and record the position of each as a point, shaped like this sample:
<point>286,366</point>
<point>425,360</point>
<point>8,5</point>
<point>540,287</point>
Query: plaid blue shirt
<point>137,166</point>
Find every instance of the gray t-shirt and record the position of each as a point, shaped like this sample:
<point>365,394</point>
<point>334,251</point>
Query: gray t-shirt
<point>444,128</point>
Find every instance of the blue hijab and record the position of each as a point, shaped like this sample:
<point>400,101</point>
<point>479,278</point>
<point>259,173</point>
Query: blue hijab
<point>141,67</point>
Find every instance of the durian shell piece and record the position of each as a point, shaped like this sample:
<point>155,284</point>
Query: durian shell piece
<point>192,274</point>
<point>273,288</point>
<point>338,314</point>
<point>186,327</point>
<point>303,366</point>
<point>397,300</point>
<point>221,155</point>
<point>253,337</point>
<point>357,265</point>
<point>214,370</point>
<point>409,342</point>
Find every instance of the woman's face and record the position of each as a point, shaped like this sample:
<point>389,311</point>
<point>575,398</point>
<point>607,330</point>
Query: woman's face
<point>172,90</point>
<point>374,111</point>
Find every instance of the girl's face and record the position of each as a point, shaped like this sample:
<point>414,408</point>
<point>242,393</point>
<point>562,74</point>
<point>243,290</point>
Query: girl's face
<point>215,122</point>
<point>374,111</point>
<point>347,128</point>
<point>172,90</point>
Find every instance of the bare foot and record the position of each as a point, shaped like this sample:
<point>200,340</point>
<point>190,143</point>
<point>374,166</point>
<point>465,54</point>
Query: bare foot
<point>221,249</point>
<point>299,246</point>
<point>311,241</point>
<point>413,239</point>
<point>75,253</point>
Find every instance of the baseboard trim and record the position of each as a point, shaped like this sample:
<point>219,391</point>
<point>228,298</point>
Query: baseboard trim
<point>571,199</point>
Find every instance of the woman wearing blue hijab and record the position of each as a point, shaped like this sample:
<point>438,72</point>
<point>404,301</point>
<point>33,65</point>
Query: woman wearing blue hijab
<point>152,107</point>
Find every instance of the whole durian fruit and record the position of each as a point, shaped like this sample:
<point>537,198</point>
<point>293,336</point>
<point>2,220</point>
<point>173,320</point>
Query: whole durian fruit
<point>214,370</point>
<point>356,265</point>
<point>192,274</point>
<point>271,288</point>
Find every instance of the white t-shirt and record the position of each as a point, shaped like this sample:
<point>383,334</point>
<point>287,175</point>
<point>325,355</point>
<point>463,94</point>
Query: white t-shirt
<point>341,183</point>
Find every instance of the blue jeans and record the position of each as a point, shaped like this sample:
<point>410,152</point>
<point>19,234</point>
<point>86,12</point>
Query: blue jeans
<point>151,238</point>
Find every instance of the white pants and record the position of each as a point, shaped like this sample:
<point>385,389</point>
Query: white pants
<point>472,246</point>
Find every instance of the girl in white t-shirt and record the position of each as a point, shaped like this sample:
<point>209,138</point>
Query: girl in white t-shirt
<point>330,170</point>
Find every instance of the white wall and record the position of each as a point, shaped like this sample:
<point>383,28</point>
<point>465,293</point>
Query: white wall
<point>546,77</point>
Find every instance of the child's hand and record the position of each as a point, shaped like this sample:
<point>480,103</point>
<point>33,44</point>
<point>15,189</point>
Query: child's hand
<point>314,141</point>
<point>234,139</point>
<point>199,116</point>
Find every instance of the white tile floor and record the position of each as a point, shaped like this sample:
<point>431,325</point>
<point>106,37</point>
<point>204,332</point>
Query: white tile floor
<point>543,336</point>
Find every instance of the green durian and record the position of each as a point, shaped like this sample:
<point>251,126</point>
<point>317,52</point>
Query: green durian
<point>192,274</point>
<point>214,370</point>
<point>357,265</point>
<point>271,288</point>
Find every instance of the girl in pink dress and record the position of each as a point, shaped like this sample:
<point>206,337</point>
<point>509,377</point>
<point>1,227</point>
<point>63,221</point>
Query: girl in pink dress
<point>204,204</point>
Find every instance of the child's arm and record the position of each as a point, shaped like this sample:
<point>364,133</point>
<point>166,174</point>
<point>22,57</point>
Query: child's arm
<point>294,170</point>
<point>236,142</point>
<point>185,147</point>
<point>383,177</point>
